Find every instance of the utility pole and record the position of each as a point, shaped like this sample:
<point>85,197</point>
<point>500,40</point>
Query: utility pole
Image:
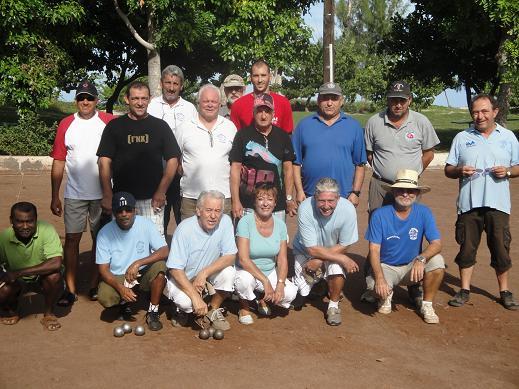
<point>328,39</point>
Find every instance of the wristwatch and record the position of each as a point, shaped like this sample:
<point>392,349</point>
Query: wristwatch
<point>356,192</point>
<point>290,198</point>
<point>508,173</point>
<point>281,282</point>
<point>421,258</point>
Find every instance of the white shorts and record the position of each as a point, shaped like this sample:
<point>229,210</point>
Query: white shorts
<point>331,269</point>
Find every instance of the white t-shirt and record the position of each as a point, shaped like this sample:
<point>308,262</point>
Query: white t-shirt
<point>205,156</point>
<point>173,115</point>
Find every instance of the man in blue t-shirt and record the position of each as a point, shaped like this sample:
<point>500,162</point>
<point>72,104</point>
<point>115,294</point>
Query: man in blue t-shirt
<point>395,235</point>
<point>131,251</point>
<point>203,251</point>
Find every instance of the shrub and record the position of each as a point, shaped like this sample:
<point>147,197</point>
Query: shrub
<point>30,136</point>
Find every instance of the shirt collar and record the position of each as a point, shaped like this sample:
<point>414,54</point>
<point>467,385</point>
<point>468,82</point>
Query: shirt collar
<point>342,116</point>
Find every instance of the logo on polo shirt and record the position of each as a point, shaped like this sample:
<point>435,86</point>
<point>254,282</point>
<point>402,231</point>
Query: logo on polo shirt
<point>410,135</point>
<point>139,247</point>
<point>471,143</point>
<point>413,233</point>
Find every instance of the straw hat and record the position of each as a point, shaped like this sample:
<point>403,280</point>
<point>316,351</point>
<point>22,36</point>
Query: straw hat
<point>407,178</point>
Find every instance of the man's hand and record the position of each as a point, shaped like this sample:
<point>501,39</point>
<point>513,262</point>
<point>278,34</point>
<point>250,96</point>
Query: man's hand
<point>354,199</point>
<point>466,171</point>
<point>291,208</point>
<point>56,207</point>
<point>417,271</point>
<point>279,293</point>
<point>499,171</point>
<point>127,294</point>
<point>382,289</point>
<point>313,264</point>
<point>349,264</point>
<point>199,282</point>
<point>237,209</point>
<point>132,272</point>
<point>300,197</point>
<point>106,204</point>
<point>158,201</point>
<point>199,306</point>
<point>8,277</point>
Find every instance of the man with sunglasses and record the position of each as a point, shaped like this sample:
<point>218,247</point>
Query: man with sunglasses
<point>329,144</point>
<point>130,252</point>
<point>484,158</point>
<point>75,146</point>
<point>395,234</point>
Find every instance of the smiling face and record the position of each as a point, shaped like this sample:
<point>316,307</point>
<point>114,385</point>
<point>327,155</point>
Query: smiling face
<point>138,100</point>
<point>24,225</point>
<point>171,88</point>
<point>265,202</point>
<point>404,197</point>
<point>210,213</point>
<point>398,107</point>
<point>326,202</point>
<point>209,104</point>
<point>484,115</point>
<point>260,78</point>
<point>86,105</point>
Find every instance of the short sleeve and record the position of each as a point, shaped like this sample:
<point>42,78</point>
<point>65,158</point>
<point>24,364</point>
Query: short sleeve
<point>453,157</point>
<point>157,241</point>
<point>236,153</point>
<point>103,255</point>
<point>107,145</point>
<point>282,230</point>
<point>349,233</point>
<point>59,150</point>
<point>243,228</point>
<point>288,150</point>
<point>374,232</point>
<point>52,244</point>
<point>170,145</point>
<point>296,144</point>
<point>179,251</point>
<point>430,139</point>
<point>368,135</point>
<point>430,229</point>
<point>228,241</point>
<point>306,225</point>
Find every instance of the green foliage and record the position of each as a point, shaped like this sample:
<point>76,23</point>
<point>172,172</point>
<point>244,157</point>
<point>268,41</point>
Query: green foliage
<point>31,136</point>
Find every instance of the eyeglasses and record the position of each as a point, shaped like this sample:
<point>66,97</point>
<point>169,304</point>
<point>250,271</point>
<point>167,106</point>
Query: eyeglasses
<point>406,190</point>
<point>85,96</point>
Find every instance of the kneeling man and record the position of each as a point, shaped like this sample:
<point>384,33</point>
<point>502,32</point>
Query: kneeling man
<point>327,226</point>
<point>131,251</point>
<point>203,252</point>
<point>395,235</point>
<point>31,252</point>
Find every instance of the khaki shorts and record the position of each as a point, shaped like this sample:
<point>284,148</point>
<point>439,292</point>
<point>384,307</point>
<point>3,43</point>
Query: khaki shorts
<point>77,212</point>
<point>108,296</point>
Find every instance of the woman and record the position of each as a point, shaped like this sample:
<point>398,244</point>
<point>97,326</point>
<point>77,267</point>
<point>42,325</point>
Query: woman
<point>262,252</point>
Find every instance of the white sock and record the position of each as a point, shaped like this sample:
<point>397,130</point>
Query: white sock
<point>426,303</point>
<point>153,308</point>
<point>333,304</point>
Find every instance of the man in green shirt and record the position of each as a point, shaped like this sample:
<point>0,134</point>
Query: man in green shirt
<point>30,256</point>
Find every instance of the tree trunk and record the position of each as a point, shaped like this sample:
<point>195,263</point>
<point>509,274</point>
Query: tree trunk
<point>121,83</point>
<point>468,94</point>
<point>307,104</point>
<point>505,88</point>
<point>153,57</point>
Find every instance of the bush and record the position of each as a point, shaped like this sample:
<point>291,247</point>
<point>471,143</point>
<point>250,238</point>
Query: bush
<point>30,136</point>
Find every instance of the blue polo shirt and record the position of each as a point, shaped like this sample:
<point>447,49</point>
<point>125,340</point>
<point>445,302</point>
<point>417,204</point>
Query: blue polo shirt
<point>482,189</point>
<point>329,151</point>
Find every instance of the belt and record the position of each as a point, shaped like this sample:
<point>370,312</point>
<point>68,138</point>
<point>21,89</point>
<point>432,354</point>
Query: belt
<point>375,175</point>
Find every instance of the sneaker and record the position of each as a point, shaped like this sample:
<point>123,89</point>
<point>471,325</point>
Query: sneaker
<point>245,319</point>
<point>384,306</point>
<point>368,297</point>
<point>415,293</point>
<point>428,314</point>
<point>218,320</point>
<point>333,316</point>
<point>153,321</point>
<point>507,300</point>
<point>125,313</point>
<point>460,298</point>
<point>179,318</point>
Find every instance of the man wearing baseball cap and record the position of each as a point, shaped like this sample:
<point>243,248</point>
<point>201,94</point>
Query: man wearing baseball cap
<point>232,88</point>
<point>262,152</point>
<point>77,138</point>
<point>172,108</point>
<point>397,138</point>
<point>322,140</point>
<point>131,252</point>
<point>395,236</point>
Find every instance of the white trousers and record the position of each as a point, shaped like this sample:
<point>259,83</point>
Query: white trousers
<point>223,280</point>
<point>304,287</point>
<point>245,285</point>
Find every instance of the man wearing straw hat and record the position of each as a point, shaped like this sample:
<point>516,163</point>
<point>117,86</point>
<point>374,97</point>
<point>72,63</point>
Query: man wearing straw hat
<point>396,255</point>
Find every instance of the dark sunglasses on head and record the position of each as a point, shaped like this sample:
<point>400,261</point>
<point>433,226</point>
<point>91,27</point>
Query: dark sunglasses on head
<point>85,96</point>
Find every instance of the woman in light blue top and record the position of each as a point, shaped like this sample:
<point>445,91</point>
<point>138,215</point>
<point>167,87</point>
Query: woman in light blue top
<point>262,253</point>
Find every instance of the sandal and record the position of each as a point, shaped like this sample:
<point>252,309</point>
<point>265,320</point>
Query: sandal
<point>50,323</point>
<point>10,320</point>
<point>67,299</point>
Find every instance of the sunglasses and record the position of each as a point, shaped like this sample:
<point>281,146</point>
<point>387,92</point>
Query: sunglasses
<point>85,96</point>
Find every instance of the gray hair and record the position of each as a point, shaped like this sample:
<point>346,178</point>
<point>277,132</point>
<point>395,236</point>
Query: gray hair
<point>206,87</point>
<point>213,194</point>
<point>326,184</point>
<point>172,70</point>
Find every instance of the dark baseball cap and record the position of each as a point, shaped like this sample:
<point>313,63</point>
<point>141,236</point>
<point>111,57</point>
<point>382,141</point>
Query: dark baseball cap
<point>87,87</point>
<point>399,89</point>
<point>330,88</point>
<point>264,100</point>
<point>121,200</point>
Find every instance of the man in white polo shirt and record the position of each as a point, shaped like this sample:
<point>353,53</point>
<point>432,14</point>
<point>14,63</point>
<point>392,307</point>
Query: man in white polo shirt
<point>205,142</point>
<point>75,146</point>
<point>173,109</point>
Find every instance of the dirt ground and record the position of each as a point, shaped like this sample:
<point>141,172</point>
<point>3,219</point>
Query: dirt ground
<point>473,347</point>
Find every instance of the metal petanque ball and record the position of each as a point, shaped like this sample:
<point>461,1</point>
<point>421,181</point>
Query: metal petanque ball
<point>139,330</point>
<point>211,331</point>
<point>118,332</point>
<point>203,334</point>
<point>127,328</point>
<point>218,335</point>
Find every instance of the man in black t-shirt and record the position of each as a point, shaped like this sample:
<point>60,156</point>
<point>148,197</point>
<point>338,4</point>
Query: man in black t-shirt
<point>131,152</point>
<point>262,153</point>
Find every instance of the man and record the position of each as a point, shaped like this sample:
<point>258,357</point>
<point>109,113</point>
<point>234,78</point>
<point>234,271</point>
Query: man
<point>131,251</point>
<point>203,252</point>
<point>395,236</point>
<point>397,138</point>
<point>75,146</point>
<point>484,158</point>
<point>31,252</point>
<point>327,226</point>
<point>233,89</point>
<point>205,142</point>
<point>173,109</point>
<point>242,109</point>
<point>323,139</point>
<point>262,152</point>
<point>131,152</point>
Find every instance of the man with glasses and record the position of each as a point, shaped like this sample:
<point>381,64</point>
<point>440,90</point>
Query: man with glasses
<point>233,88</point>
<point>74,150</point>
<point>484,158</point>
<point>175,110</point>
<point>395,236</point>
<point>329,144</point>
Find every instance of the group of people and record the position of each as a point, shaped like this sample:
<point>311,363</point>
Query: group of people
<point>232,170</point>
